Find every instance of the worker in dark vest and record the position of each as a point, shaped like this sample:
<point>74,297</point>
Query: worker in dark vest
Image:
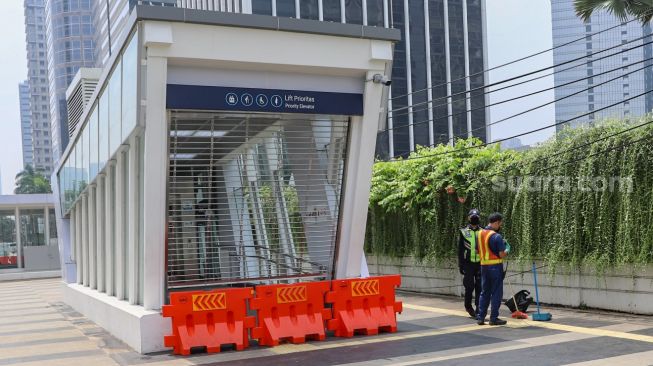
<point>492,249</point>
<point>469,261</point>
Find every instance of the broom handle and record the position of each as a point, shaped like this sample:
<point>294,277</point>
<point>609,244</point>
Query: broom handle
<point>537,293</point>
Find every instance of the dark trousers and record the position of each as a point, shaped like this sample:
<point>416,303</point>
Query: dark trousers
<point>492,291</point>
<point>472,283</point>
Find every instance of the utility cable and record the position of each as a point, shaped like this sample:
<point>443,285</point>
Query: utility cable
<point>518,60</point>
<point>528,95</point>
<point>588,55</point>
<point>528,110</point>
<point>546,158</point>
<point>524,133</point>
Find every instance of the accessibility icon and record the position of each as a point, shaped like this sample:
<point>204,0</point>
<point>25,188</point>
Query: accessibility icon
<point>276,101</point>
<point>246,99</point>
<point>232,99</point>
<point>261,100</point>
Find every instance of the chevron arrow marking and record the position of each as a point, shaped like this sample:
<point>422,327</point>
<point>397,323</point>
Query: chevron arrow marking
<point>291,294</point>
<point>209,302</point>
<point>365,288</point>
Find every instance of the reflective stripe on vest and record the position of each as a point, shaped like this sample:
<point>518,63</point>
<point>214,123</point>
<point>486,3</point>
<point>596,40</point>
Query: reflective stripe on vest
<point>487,256</point>
<point>470,237</point>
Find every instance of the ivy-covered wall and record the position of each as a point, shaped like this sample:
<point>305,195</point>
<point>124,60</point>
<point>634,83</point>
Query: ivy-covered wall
<point>583,198</point>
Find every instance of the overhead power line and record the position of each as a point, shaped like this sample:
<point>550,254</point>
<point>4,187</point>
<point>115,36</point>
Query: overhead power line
<point>483,87</point>
<point>523,133</point>
<point>519,59</point>
<point>526,111</point>
<point>528,95</point>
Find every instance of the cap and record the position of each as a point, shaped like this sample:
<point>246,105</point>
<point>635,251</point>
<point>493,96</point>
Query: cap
<point>474,212</point>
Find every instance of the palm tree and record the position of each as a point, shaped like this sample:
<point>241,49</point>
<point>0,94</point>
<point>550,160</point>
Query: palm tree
<point>641,10</point>
<point>29,181</point>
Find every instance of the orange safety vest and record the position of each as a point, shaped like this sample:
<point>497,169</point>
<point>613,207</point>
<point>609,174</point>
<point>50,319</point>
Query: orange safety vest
<point>487,256</point>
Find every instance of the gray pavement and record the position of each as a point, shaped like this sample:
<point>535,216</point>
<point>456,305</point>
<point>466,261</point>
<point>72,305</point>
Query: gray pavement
<point>37,328</point>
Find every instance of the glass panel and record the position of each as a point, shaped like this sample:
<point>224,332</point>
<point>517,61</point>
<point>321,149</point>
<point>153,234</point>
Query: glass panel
<point>103,127</point>
<point>32,228</point>
<point>53,227</point>
<point>308,9</point>
<point>115,114</point>
<point>8,249</point>
<point>375,13</point>
<point>129,87</point>
<point>354,11</point>
<point>286,8</point>
<point>86,155</point>
<point>331,10</point>
<point>263,7</point>
<point>93,144</point>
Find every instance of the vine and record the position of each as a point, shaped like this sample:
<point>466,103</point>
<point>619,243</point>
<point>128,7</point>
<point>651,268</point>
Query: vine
<point>553,198</point>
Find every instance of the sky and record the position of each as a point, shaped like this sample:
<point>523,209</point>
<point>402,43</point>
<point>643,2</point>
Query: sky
<point>507,40</point>
<point>13,70</point>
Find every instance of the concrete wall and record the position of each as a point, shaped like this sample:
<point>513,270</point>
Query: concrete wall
<point>627,289</point>
<point>44,257</point>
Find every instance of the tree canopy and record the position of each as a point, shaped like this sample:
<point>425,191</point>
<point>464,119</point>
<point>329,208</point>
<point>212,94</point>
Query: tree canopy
<point>30,181</point>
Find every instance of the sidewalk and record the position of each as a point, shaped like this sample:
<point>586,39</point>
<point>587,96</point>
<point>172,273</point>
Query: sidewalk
<point>36,328</point>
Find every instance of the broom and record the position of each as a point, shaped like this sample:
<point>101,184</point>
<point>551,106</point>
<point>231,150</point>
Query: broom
<point>539,316</point>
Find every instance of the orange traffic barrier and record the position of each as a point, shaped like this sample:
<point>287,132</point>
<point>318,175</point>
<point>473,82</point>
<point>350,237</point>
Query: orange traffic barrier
<point>292,312</point>
<point>364,305</point>
<point>209,319</point>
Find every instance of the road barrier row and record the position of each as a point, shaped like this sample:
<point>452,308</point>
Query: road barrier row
<point>292,312</point>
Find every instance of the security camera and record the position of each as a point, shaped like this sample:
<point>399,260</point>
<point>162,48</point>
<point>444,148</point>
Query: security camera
<point>381,79</point>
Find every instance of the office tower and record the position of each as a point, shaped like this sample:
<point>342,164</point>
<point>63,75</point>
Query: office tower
<point>26,123</point>
<point>36,90</point>
<point>443,42</point>
<point>70,45</point>
<point>588,95</point>
<point>442,53</point>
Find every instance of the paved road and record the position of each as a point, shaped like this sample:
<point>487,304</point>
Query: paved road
<point>37,328</point>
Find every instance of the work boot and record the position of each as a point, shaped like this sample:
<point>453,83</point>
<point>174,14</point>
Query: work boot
<point>471,312</point>
<point>498,321</point>
<point>481,322</point>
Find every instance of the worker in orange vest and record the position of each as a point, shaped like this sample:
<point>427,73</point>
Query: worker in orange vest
<point>492,249</point>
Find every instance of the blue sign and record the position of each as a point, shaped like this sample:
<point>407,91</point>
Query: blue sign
<point>262,100</point>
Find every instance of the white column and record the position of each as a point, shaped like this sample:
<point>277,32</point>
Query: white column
<point>79,212</point>
<point>447,57</point>
<point>133,219</point>
<point>429,82</point>
<point>85,261</point>
<point>46,234</point>
<point>109,241</point>
<point>119,225</point>
<point>358,177</point>
<point>320,11</point>
<point>73,237</point>
<point>468,97</point>
<point>297,12</point>
<point>391,131</point>
<point>19,244</point>
<point>155,173</point>
<point>364,8</point>
<point>99,232</point>
<point>92,265</point>
<point>343,18</point>
<point>409,78</point>
<point>386,14</point>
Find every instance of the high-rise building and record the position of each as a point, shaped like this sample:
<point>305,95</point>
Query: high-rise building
<point>589,96</point>
<point>443,44</point>
<point>26,123</point>
<point>442,53</point>
<point>70,45</point>
<point>36,90</point>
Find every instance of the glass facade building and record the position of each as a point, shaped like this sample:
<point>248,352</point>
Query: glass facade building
<point>35,102</point>
<point>70,45</point>
<point>604,68</point>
